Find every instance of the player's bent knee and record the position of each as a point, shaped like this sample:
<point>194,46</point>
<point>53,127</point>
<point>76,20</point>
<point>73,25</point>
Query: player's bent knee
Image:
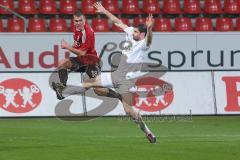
<point>65,64</point>
<point>100,91</point>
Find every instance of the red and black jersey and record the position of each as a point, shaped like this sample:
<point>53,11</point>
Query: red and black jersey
<point>85,40</point>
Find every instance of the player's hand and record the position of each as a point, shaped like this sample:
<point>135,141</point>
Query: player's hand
<point>149,21</point>
<point>99,7</point>
<point>64,44</point>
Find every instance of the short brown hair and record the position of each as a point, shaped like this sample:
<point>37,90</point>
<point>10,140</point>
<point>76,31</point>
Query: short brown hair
<point>142,28</point>
<point>78,14</point>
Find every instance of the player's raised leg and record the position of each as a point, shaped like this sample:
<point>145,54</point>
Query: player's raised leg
<point>80,87</point>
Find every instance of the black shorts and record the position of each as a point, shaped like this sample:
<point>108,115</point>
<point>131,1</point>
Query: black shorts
<point>92,70</point>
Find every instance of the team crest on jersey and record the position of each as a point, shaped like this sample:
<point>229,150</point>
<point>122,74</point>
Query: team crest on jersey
<point>19,95</point>
<point>77,43</point>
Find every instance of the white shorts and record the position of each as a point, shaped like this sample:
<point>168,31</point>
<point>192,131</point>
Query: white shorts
<point>106,80</point>
<point>117,81</point>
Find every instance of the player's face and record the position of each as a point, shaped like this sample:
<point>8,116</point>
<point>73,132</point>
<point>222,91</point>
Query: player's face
<point>137,36</point>
<point>79,22</point>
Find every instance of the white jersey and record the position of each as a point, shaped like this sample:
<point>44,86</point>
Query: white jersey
<point>129,68</point>
<point>133,55</point>
<point>137,50</point>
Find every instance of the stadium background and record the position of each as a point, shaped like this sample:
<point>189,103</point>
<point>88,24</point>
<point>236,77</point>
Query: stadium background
<point>181,28</point>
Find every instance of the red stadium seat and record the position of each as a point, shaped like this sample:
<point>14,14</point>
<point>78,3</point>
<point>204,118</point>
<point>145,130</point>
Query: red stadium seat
<point>36,25</point>
<point>139,20</point>
<point>27,7</point>
<point>224,24</point>
<point>204,24</point>
<point>47,7</point>
<point>100,25</point>
<point>232,6</point>
<point>111,5</point>
<point>213,7</point>
<point>117,29</point>
<point>87,7</point>
<point>192,7</point>
<point>238,24</point>
<point>57,25</point>
<point>8,4</point>
<point>151,6</point>
<point>130,7</point>
<point>162,25</point>
<point>171,7</point>
<point>1,26</point>
<point>71,25</point>
<point>183,24</point>
<point>15,25</point>
<point>68,6</point>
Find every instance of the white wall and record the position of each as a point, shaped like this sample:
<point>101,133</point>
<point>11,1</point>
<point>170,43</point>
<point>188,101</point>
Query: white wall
<point>194,91</point>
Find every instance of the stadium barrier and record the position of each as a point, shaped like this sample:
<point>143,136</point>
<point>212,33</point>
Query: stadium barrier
<point>202,67</point>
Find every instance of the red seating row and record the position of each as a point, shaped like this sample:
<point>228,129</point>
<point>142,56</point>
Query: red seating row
<point>102,25</point>
<point>128,7</point>
<point>35,25</point>
<point>180,24</point>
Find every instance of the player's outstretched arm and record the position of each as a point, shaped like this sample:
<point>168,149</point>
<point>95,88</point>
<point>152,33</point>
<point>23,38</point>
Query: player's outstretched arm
<point>114,19</point>
<point>78,52</point>
<point>149,24</point>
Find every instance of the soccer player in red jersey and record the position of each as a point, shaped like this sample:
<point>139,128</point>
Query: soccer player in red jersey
<point>87,59</point>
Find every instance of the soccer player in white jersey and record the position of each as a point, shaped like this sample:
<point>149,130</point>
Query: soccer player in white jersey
<point>124,78</point>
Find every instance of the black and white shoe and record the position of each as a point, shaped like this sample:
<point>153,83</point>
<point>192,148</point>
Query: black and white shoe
<point>151,137</point>
<point>58,88</point>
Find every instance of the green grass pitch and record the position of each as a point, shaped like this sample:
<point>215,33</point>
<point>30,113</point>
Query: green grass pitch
<point>199,138</point>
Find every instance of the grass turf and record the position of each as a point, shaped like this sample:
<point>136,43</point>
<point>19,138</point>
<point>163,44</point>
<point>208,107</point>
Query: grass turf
<point>199,138</point>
